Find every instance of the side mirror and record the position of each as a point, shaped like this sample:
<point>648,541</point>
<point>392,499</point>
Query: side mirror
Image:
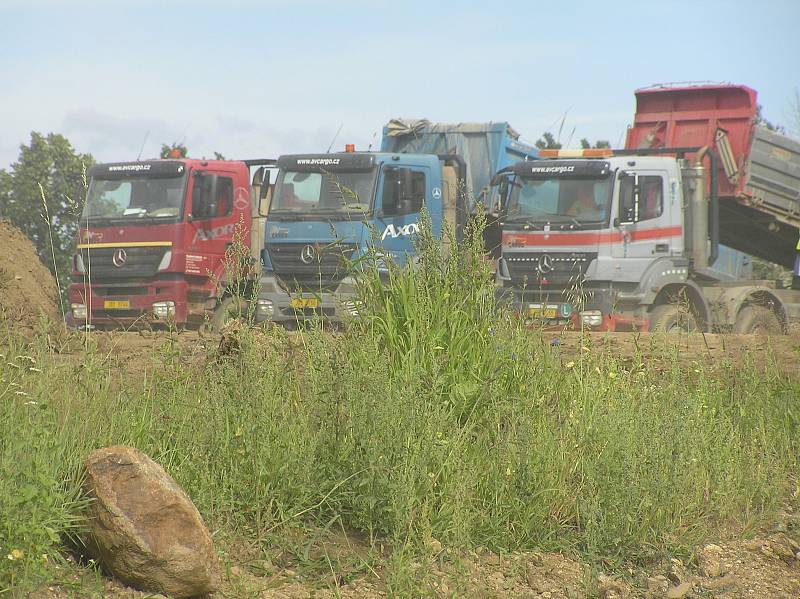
<point>628,208</point>
<point>265,199</point>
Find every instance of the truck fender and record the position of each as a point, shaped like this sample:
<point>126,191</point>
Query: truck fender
<point>665,280</point>
<point>660,274</point>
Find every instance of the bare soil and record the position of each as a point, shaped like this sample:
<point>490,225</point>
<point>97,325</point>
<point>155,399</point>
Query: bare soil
<point>28,292</point>
<point>763,567</point>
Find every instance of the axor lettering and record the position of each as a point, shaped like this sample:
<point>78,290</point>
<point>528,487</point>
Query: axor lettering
<point>400,231</point>
<point>209,234</point>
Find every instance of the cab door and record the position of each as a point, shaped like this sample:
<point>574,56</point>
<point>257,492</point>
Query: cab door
<point>643,225</point>
<point>213,219</point>
<point>400,202</point>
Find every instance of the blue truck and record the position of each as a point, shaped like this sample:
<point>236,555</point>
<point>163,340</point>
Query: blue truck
<point>328,209</point>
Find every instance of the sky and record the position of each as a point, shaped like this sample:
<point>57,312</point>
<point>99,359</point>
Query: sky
<point>258,79</point>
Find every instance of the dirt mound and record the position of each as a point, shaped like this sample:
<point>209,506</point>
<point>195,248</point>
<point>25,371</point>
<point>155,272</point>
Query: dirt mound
<point>27,289</point>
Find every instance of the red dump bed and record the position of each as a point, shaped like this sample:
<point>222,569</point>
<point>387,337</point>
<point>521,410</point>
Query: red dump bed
<point>668,116</point>
<point>758,178</point>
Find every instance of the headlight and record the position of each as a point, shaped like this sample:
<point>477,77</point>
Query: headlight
<point>164,264</point>
<point>591,318</point>
<point>77,264</point>
<point>78,311</point>
<point>265,308</point>
<point>164,310</point>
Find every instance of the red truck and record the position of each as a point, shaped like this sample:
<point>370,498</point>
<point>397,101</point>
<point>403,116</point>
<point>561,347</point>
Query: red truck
<point>153,237</point>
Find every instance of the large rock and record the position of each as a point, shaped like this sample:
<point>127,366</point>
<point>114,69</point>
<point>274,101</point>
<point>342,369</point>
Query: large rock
<point>143,528</point>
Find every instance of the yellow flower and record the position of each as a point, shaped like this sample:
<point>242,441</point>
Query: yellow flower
<point>15,555</point>
<point>508,471</point>
<point>612,375</point>
<point>569,364</point>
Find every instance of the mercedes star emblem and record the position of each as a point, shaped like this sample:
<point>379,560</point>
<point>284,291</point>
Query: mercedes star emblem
<point>307,254</point>
<point>545,264</point>
<point>119,258</point>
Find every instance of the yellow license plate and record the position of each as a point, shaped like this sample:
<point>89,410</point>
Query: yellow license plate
<point>117,305</point>
<point>542,312</point>
<point>305,302</point>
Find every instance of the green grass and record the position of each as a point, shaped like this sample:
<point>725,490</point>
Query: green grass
<point>433,417</point>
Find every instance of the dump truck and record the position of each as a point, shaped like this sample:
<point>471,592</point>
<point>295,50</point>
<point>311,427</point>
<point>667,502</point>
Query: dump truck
<point>624,239</point>
<point>153,238</point>
<point>329,211</point>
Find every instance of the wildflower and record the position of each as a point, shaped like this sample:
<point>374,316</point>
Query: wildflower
<point>15,555</point>
<point>492,330</point>
<point>555,342</point>
<point>569,364</point>
<point>612,375</point>
<point>508,471</point>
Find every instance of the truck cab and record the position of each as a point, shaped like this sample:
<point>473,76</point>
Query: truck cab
<point>624,240</point>
<point>576,239</point>
<point>328,210</point>
<point>152,238</point>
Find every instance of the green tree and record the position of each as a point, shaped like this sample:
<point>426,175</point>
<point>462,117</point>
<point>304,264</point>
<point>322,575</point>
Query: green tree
<point>599,144</point>
<point>760,120</point>
<point>175,150</point>
<point>42,194</point>
<point>547,142</point>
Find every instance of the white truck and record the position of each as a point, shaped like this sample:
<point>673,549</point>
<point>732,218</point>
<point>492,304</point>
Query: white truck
<point>623,239</point>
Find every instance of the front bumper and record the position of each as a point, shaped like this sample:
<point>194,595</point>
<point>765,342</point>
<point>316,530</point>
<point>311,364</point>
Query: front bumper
<point>114,306</point>
<point>593,309</point>
<point>274,304</point>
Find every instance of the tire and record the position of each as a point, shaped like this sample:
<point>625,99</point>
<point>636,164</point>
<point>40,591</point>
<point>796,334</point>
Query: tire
<point>670,318</point>
<point>757,320</point>
<point>231,308</point>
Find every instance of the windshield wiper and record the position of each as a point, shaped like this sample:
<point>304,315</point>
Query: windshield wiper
<point>522,220</point>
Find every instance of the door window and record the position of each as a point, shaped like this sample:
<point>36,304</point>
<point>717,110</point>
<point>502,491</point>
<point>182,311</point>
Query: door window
<point>641,198</point>
<point>212,197</point>
<point>403,191</point>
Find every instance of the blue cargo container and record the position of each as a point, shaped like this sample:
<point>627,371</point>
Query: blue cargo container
<point>485,147</point>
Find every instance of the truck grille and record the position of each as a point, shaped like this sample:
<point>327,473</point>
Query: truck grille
<point>139,262</point>
<point>551,270</point>
<point>320,268</point>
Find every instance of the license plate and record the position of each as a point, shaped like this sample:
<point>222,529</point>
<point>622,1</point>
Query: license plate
<point>305,302</point>
<point>542,312</point>
<point>117,305</point>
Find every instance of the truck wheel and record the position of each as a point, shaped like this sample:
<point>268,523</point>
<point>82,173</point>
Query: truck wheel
<point>231,308</point>
<point>757,320</point>
<point>669,318</point>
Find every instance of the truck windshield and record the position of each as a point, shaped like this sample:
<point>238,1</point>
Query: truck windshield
<point>334,194</point>
<point>560,200</point>
<point>135,198</point>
